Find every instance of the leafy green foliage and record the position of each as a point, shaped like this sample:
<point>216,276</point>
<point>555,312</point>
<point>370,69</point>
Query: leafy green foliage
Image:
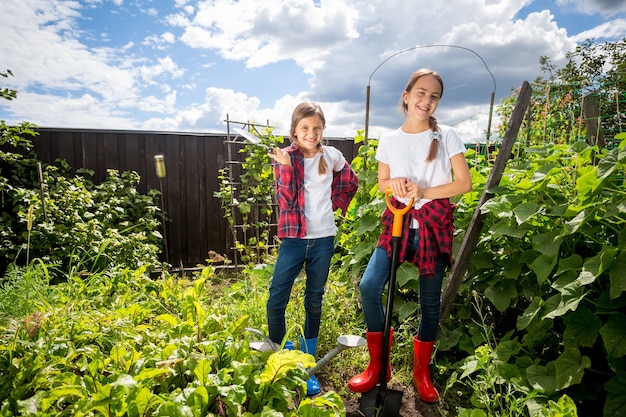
<point>122,343</point>
<point>73,223</point>
<point>550,265</point>
<point>85,226</point>
<point>14,142</point>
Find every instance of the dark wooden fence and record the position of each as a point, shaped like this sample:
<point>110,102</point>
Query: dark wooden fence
<point>196,223</point>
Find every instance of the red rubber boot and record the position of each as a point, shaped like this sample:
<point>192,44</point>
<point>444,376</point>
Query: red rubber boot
<point>368,379</point>
<point>422,352</point>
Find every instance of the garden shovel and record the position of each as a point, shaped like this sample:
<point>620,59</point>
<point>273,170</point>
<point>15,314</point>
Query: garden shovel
<point>253,139</point>
<point>382,401</point>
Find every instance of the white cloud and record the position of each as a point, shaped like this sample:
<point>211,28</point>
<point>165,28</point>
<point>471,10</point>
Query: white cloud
<point>161,42</point>
<point>261,33</point>
<point>591,7</point>
<point>164,65</point>
<point>609,30</point>
<point>200,62</point>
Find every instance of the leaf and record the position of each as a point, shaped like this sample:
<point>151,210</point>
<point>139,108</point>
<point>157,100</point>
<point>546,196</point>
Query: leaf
<point>582,328</point>
<point>474,412</point>
<point>570,368</point>
<point>568,300</point>
<point>239,325</point>
<point>539,379</point>
<point>513,266</point>
<point>199,397</point>
<point>531,312</point>
<point>585,183</point>
<point>233,397</point>
<point>330,403</point>
<point>608,163</point>
<point>525,211</point>
<point>571,263</point>
<point>543,171</point>
<point>572,226</point>
<point>614,336</point>
<point>616,395</point>
<point>281,362</point>
<point>367,223</point>
<point>543,266</point>
<point>61,392</point>
<point>406,273</point>
<point>498,206</point>
<point>140,402</point>
<point>407,310</point>
<point>501,294</point>
<point>170,319</point>
<point>596,265</point>
<point>617,277</point>
<point>504,228</point>
<point>202,370</point>
<point>151,373</point>
<point>547,243</point>
<point>469,366</point>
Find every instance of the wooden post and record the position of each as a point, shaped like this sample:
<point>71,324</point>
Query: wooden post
<point>591,115</point>
<point>457,273</point>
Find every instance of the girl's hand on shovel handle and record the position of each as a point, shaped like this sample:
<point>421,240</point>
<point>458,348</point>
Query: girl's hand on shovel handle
<point>398,186</point>
<point>405,188</point>
<point>398,213</point>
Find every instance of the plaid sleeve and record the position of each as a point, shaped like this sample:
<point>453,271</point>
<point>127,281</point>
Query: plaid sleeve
<point>436,219</point>
<point>344,187</point>
<point>290,198</point>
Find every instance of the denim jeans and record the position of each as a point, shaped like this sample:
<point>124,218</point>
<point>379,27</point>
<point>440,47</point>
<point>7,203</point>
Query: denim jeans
<point>375,279</point>
<point>315,255</point>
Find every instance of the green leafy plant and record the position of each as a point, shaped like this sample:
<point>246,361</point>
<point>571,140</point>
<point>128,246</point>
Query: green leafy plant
<point>89,227</point>
<point>123,343</point>
<point>549,263</point>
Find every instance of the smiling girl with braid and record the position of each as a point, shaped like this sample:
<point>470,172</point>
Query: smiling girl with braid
<point>423,161</point>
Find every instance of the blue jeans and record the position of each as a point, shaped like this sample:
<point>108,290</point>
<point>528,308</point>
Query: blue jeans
<point>375,279</point>
<point>315,255</point>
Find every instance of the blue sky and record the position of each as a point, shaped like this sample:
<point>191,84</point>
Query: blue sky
<point>187,65</point>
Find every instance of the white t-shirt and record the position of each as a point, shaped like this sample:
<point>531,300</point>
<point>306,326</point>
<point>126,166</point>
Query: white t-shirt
<point>406,153</point>
<point>318,208</point>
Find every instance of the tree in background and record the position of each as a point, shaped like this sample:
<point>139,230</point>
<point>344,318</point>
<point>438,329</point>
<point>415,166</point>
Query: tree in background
<point>561,110</point>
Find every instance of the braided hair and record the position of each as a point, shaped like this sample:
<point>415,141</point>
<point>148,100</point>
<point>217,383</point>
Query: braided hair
<point>434,127</point>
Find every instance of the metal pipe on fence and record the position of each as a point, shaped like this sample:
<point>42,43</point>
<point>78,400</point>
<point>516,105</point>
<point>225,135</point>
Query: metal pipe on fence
<point>42,192</point>
<point>159,165</point>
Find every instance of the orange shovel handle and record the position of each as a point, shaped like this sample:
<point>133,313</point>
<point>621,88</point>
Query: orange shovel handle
<point>398,213</point>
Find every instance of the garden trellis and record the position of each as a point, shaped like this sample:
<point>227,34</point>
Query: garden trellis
<point>565,113</point>
<point>247,194</point>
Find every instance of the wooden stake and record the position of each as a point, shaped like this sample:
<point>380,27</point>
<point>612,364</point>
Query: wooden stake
<point>457,273</point>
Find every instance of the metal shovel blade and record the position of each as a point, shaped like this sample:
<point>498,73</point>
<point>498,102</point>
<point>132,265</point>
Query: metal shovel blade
<point>254,139</point>
<point>380,402</point>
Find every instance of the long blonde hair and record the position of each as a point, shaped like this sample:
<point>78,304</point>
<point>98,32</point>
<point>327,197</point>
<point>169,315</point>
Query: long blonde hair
<point>302,111</point>
<point>434,144</point>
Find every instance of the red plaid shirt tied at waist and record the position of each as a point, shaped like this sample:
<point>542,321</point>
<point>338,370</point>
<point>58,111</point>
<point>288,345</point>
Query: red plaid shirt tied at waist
<point>436,230</point>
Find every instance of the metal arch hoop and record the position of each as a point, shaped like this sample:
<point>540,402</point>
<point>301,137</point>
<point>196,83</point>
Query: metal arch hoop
<point>367,98</point>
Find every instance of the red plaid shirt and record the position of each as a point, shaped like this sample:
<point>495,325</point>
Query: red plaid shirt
<point>436,229</point>
<point>290,193</point>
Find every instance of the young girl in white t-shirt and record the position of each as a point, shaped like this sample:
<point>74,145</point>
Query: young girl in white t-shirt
<point>425,162</point>
<point>312,181</point>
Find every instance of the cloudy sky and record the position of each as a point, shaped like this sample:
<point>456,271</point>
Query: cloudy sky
<point>188,65</point>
